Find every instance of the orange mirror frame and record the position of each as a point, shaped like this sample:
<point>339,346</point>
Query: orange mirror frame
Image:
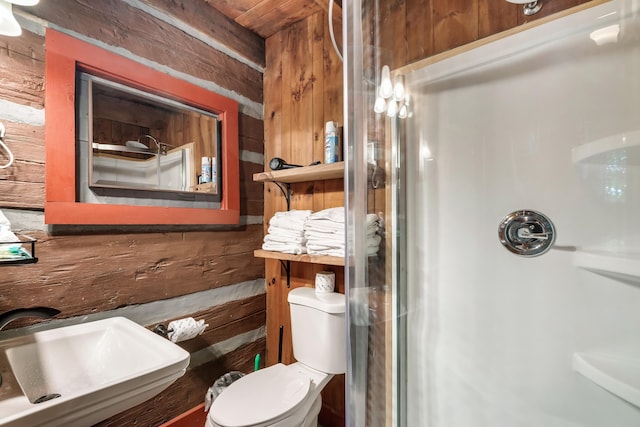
<point>64,56</point>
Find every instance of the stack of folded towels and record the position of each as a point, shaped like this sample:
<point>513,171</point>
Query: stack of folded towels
<point>325,233</point>
<point>286,232</point>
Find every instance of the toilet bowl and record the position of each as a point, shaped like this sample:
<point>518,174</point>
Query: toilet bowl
<point>280,395</point>
<point>289,395</point>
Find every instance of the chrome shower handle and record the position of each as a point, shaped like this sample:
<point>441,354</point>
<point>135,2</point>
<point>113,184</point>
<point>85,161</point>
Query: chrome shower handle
<point>526,233</point>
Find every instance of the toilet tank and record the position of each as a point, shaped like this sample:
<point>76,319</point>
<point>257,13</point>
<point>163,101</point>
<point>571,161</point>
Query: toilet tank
<point>319,330</point>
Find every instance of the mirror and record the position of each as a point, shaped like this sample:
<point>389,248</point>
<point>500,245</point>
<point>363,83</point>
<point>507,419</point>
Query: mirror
<point>124,142</point>
<point>142,141</point>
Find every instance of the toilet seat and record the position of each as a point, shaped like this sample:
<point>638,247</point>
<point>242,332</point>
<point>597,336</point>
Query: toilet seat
<point>261,397</point>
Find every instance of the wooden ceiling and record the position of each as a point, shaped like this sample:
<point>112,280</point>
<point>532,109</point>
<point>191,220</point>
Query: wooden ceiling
<point>267,17</point>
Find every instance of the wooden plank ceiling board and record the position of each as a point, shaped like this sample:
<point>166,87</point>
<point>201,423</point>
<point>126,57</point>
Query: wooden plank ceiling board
<point>267,17</point>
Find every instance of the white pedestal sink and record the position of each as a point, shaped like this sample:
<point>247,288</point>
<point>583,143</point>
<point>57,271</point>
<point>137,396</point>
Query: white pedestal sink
<point>82,374</point>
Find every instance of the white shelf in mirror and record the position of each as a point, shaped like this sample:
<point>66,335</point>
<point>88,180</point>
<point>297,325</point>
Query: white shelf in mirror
<point>621,267</point>
<point>601,151</point>
<point>617,375</point>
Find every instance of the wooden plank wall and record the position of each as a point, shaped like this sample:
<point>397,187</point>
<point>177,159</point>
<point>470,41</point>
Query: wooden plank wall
<point>93,271</point>
<point>299,84</point>
<point>303,90</point>
<point>410,30</point>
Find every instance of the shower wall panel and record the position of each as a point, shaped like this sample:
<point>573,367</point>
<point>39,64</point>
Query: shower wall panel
<point>545,120</point>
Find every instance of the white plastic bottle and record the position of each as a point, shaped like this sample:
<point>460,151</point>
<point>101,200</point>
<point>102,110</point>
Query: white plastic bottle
<point>331,143</point>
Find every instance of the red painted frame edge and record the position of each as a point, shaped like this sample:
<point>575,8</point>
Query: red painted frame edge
<point>63,55</point>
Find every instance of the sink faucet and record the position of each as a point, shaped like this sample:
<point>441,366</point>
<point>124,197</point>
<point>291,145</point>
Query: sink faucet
<point>41,312</point>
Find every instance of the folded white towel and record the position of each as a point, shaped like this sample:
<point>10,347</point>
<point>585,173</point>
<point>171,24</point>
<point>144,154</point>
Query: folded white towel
<point>338,252</point>
<point>287,223</point>
<point>338,215</point>
<point>330,242</point>
<point>330,252</point>
<point>374,240</point>
<point>286,248</point>
<point>290,220</point>
<point>372,219</point>
<point>325,244</point>
<point>300,240</point>
<point>283,232</point>
<point>333,214</point>
<point>324,225</point>
<point>299,213</point>
<point>324,230</point>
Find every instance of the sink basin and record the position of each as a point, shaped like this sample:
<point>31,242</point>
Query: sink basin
<point>82,374</point>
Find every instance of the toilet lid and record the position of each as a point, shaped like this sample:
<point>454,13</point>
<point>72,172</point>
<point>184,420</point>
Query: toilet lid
<point>260,397</point>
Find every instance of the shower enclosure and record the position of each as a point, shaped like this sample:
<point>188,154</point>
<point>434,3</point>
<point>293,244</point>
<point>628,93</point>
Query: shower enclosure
<point>508,290</point>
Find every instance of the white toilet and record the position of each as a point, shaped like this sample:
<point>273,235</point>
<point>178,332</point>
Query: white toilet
<point>289,395</point>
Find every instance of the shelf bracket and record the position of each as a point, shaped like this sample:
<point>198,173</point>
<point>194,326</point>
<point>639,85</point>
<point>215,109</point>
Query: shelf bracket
<point>287,268</point>
<point>285,187</point>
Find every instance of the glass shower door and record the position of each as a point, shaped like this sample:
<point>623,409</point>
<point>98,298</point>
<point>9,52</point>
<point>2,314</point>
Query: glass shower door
<point>477,312</point>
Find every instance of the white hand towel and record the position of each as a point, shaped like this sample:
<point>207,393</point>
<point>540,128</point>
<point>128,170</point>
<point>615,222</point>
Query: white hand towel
<point>333,214</point>
<point>322,233</point>
<point>326,242</point>
<point>300,213</point>
<point>276,238</point>
<point>292,220</point>
<point>374,240</point>
<point>284,248</point>
<point>330,252</point>
<point>372,219</point>
<point>287,223</point>
<point>324,225</point>
<point>283,232</point>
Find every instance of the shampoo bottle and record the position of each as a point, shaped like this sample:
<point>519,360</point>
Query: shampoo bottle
<point>331,143</point>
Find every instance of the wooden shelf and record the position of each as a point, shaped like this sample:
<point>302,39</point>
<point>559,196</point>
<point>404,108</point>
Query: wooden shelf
<point>312,259</point>
<point>303,174</point>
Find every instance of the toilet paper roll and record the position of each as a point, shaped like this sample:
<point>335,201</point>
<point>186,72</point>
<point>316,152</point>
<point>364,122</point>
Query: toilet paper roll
<point>185,329</point>
<point>325,281</point>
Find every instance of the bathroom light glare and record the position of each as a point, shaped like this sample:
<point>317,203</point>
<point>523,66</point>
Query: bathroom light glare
<point>606,35</point>
<point>392,98</point>
<point>386,88</point>
<point>403,112</point>
<point>380,105</point>
<point>392,108</point>
<point>398,88</point>
<point>8,24</point>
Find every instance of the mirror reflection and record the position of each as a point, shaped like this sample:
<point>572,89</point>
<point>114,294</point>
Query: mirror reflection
<point>142,141</point>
